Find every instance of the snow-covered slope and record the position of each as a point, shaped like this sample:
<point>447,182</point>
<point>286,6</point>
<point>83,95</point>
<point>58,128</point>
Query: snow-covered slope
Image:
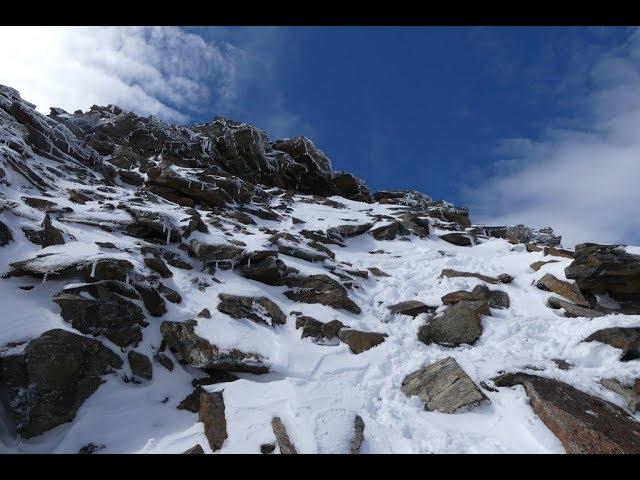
<point>211,245</point>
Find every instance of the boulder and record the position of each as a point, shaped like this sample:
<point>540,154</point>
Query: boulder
<point>606,269</point>
<point>152,300</point>
<point>216,252</point>
<point>211,414</point>
<point>331,329</point>
<point>51,235</point>
<point>271,271</point>
<point>199,352</point>
<point>457,238</point>
<point>626,339</point>
<point>319,289</point>
<point>495,298</point>
<point>49,381</point>
<point>103,308</point>
<point>258,309</point>
<point>443,386</point>
<point>140,365</point>
<point>164,360</point>
<point>565,289</point>
<point>583,423</point>
<point>410,307</point>
<point>458,324</point>
<point>157,265</point>
<point>359,341</point>
<point>107,269</point>
<point>628,394</point>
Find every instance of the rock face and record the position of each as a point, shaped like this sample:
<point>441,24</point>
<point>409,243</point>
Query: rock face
<point>583,423</point>
<point>459,324</point>
<point>198,352</point>
<point>103,308</point>
<point>443,386</point>
<point>211,414</point>
<point>626,339</point>
<point>52,377</point>
<point>606,269</point>
<point>258,309</point>
<point>564,289</point>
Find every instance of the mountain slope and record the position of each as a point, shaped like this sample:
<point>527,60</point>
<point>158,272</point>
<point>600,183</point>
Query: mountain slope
<point>220,258</point>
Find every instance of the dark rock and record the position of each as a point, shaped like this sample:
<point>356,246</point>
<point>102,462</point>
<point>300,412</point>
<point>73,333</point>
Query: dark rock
<point>195,450</point>
<point>258,309</point>
<point>376,272</point>
<point>564,289</point>
<point>358,435</point>
<point>626,339</point>
<point>457,238</point>
<point>443,386</point>
<point>215,253</point>
<point>52,377</point>
<point>204,313</point>
<point>447,272</point>
<point>107,269</point>
<point>331,329</point>
<point>583,423</point>
<point>164,360</point>
<point>319,289</point>
<point>158,266</point>
<point>169,294</point>
<point>535,266</point>
<point>198,352</point>
<point>496,298</point>
<point>140,365</point>
<point>51,235</point>
<point>349,230</point>
<point>360,341</point>
<point>390,231</point>
<point>152,300</point>
<point>103,308</point>
<point>213,377</point>
<point>282,437</point>
<point>522,234</point>
<point>211,414</point>
<point>6,236</point>
<point>459,324</point>
<point>572,310</point>
<point>191,402</point>
<point>310,327</point>
<point>410,307</point>
<point>90,448</point>
<point>628,394</point>
<point>267,448</point>
<point>606,269</point>
<point>558,252</point>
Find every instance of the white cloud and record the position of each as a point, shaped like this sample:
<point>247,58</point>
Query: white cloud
<point>152,70</point>
<point>584,179</point>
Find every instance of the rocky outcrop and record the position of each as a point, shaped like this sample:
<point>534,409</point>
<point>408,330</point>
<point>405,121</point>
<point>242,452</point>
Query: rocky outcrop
<point>49,381</point>
<point>199,352</point>
<point>258,309</point>
<point>140,365</point>
<point>583,423</point>
<point>459,324</point>
<point>443,386</point>
<point>606,269</point>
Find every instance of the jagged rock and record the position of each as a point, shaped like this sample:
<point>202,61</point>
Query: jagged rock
<point>151,224</point>
<point>215,253</point>
<point>535,266</point>
<point>349,230</point>
<point>204,313</point>
<point>348,186</point>
<point>211,414</point>
<point>449,213</point>
<point>572,310</point>
<point>191,402</point>
<point>358,435</point>
<point>447,272</point>
<point>282,437</point>
<point>320,237</point>
<point>626,339</point>
<point>164,360</point>
<point>52,377</point>
<point>6,236</point>
<point>457,238</point>
<point>258,309</point>
<point>565,289</point>
<point>319,289</point>
<point>331,329</point>
<point>51,235</point>
<point>606,269</point>
<point>410,307</point>
<point>41,204</point>
<point>199,352</point>
<point>359,341</point>
<point>195,450</point>
<point>140,365</point>
<point>628,394</point>
<point>443,386</point>
<point>376,272</point>
<point>310,327</point>
<point>459,324</point>
<point>495,298</point>
<point>152,300</point>
<point>522,234</point>
<point>169,294</point>
<point>107,269</point>
<point>390,231</point>
<point>158,266</point>
<point>103,308</point>
<point>583,423</point>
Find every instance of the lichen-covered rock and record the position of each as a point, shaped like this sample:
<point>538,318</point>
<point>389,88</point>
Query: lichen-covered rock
<point>52,377</point>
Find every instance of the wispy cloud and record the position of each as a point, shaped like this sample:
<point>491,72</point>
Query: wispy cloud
<point>582,175</point>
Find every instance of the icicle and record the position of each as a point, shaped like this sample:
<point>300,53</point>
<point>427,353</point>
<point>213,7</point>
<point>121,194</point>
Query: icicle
<point>44,278</point>
<point>126,279</point>
<point>249,261</point>
<point>93,269</point>
<point>168,235</point>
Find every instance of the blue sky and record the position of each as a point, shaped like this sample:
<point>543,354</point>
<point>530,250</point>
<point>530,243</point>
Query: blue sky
<point>504,120</point>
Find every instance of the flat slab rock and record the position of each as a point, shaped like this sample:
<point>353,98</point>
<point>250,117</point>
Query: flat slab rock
<point>502,278</point>
<point>459,324</point>
<point>443,386</point>
<point>258,309</point>
<point>565,289</point>
<point>459,239</point>
<point>360,341</point>
<point>410,307</point>
<point>583,423</point>
<point>199,352</point>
